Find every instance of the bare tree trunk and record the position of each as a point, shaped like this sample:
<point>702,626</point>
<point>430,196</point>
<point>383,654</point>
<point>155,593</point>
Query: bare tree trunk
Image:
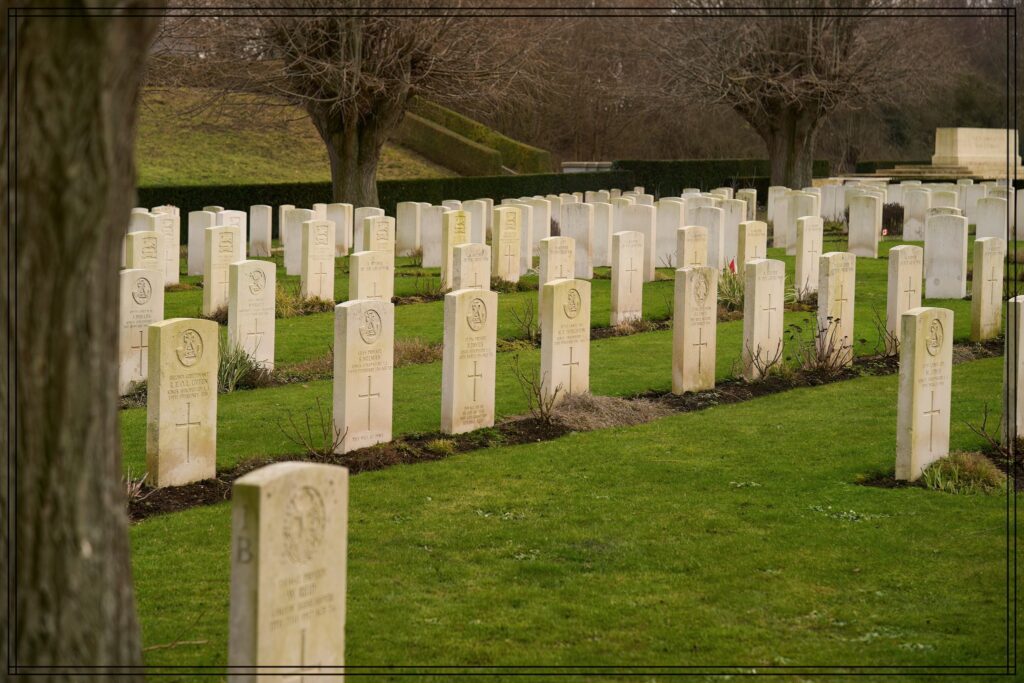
<point>76,86</point>
<point>789,136</point>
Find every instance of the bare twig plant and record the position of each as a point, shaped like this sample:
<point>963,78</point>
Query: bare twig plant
<point>825,353</point>
<point>325,442</point>
<point>534,384</point>
<point>525,318</point>
<point>887,344</point>
<point>1000,446</point>
<point>765,363</point>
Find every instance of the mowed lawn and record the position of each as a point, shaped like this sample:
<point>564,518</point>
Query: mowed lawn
<point>249,422</point>
<point>732,536</point>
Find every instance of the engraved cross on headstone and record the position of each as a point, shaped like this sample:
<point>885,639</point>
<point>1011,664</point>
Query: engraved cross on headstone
<point>224,282</point>
<point>931,421</point>
<point>910,290</point>
<point>841,299</point>
<point>475,376</point>
<point>255,333</point>
<point>320,279</point>
<point>815,249</point>
<point>188,424</point>
<point>992,280</point>
<point>629,274</point>
<point>140,347</point>
<point>369,396</point>
<point>700,344</point>
<point>769,310</point>
<point>509,255</point>
<point>570,365</point>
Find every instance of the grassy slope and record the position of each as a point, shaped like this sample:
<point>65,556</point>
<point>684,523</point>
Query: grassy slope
<point>248,419</point>
<point>636,546</point>
<point>233,144</point>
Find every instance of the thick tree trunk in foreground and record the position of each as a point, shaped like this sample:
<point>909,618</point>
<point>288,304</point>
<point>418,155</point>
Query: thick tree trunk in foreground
<point>77,82</point>
<point>789,136</point>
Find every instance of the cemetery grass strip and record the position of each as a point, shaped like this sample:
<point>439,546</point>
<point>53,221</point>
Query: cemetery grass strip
<point>423,447</point>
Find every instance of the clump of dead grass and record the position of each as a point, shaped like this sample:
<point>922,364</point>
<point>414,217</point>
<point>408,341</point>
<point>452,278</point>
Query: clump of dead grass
<point>415,351</point>
<point>964,473</point>
<point>586,412</point>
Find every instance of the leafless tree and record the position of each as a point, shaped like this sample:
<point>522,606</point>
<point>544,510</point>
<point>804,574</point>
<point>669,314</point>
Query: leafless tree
<point>784,71</point>
<point>77,79</point>
<point>355,69</point>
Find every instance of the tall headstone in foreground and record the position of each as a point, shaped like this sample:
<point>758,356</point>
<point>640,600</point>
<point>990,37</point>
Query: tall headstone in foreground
<point>627,283</point>
<point>641,219</point>
<point>289,558</point>
<point>293,220</point>
<point>751,243</point>
<point>371,275</point>
<point>987,288</point>
<point>578,224</point>
<point>505,244</point>
<point>945,257</point>
<point>762,316</point>
<point>198,222</point>
<point>468,364</point>
<point>565,338</point>
<point>251,323</point>
<point>694,327</point>
<point>926,369</point>
<point>221,251</point>
<point>143,251</point>
<point>141,304</point>
<point>168,224</point>
<point>407,227</point>
<point>341,215</point>
<point>692,246</point>
<point>906,268</point>
<point>181,401</point>
<point>1013,371</point>
<point>865,228</point>
<point>809,236</point>
<point>837,282</point>
<point>260,229</point>
<point>364,353</point>
<point>455,230</point>
<point>471,266</point>
<point>990,218</point>
<point>317,275</point>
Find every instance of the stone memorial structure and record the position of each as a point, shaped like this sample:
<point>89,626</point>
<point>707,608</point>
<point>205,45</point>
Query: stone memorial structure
<point>251,307</point>
<point>364,351</point>
<point>565,338</point>
<point>471,266</point>
<point>317,272</point>
<point>141,303</point>
<point>837,285</point>
<point>627,282</point>
<point>763,304</point>
<point>906,270</point>
<point>694,329</point>
<point>468,363</point>
<point>987,288</point>
<point>221,250</point>
<point>945,257</point>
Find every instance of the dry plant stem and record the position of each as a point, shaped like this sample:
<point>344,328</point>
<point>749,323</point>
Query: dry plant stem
<point>331,437</point>
<point>540,403</point>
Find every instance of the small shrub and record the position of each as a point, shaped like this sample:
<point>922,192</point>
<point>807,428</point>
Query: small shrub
<point>319,446</point>
<point>237,369</point>
<point>441,447</point>
<point>887,345</point>
<point>133,488</point>
<point>964,473</point>
<point>136,396</point>
<point>415,351</point>
<point>635,326</point>
<point>767,363</point>
<point>731,288</point>
<point>535,388</point>
<point>825,353</point>
<point>526,320</point>
<point>180,287</point>
<point>289,303</point>
<point>505,287</point>
<point>416,258</point>
<point>428,286</point>
<point>219,316</point>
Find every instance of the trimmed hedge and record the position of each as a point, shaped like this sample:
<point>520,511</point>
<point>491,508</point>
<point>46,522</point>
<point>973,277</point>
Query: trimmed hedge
<point>668,178</point>
<point>390,192</point>
<point>518,156</point>
<point>447,148</point>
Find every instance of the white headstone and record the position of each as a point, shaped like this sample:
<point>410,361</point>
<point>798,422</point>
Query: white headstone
<point>289,538</point>
<point>734,212</point>
<point>916,202</point>
<point>168,224</point>
<point>1013,371</point>
<point>342,215</point>
<point>990,218</point>
<point>945,257</point>
<point>378,234</point>
<point>865,228</point>
<point>603,213</point>
<point>261,227</point>
<point>281,211</point>
<point>468,364</point>
<point>640,219</point>
<point>945,198</point>
<point>293,220</point>
<point>506,242</point>
<point>431,219</point>
<point>694,329</point>
<point>221,250</point>
<point>627,280</point>
<point>670,213</point>
<point>477,210</point>
<point>198,222</point>
<point>316,279</point>
<point>751,243</point>
<point>799,204</point>
<point>455,230</point>
<point>143,250</point>
<point>471,266</point>
<point>774,192</point>
<point>692,246</point>
<point>837,284</point>
<point>749,195</point>
<point>141,304</point>
<point>251,323</point>
<point>364,353</point>
<point>906,269</point>
<point>578,224</point>
<point>371,276</point>
<point>926,369</point>
<point>809,243</point>
<point>763,303</point>
<point>712,219</point>
<point>565,338</point>
<point>452,204</point>
<point>359,217</point>
<point>541,227</point>
<point>181,401</point>
<point>239,219</point>
<point>987,288</point>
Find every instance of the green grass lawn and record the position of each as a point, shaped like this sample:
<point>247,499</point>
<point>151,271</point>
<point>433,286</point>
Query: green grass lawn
<point>234,143</point>
<point>735,535</point>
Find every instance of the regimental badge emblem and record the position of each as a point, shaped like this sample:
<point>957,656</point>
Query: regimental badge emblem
<point>143,291</point>
<point>190,348</point>
<point>371,326</point>
<point>257,281</point>
<point>303,525</point>
<point>573,303</point>
<point>477,314</point>
<point>149,250</point>
<point>701,286</point>
<point>227,243</point>
<point>933,344</point>
<point>320,235</point>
